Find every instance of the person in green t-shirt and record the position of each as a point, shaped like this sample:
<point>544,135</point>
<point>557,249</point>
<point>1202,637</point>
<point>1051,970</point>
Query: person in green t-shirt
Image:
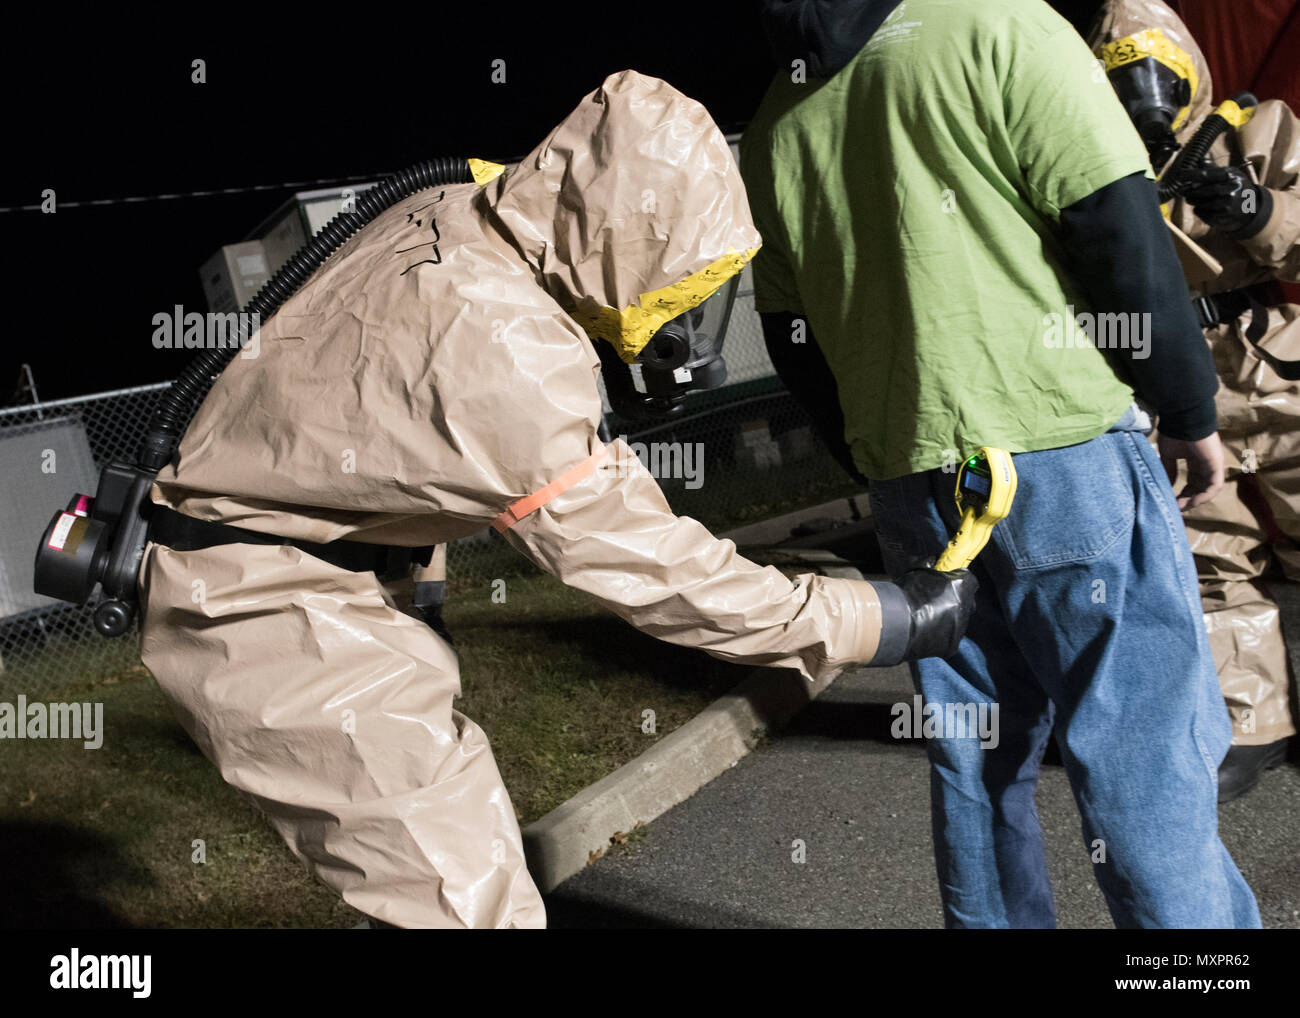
<point>962,239</point>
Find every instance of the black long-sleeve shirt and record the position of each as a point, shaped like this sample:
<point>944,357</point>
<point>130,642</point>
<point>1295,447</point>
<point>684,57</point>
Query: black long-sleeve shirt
<point>1122,256</point>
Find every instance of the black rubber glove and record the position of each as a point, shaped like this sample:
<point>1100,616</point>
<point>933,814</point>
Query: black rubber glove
<point>1221,196</point>
<point>925,615</point>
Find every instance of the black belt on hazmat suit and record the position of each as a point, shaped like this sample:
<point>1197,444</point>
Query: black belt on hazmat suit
<point>184,533</point>
<point>1222,308</point>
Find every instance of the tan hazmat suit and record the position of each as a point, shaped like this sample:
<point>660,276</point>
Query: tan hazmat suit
<point>430,380</point>
<point>1256,517</point>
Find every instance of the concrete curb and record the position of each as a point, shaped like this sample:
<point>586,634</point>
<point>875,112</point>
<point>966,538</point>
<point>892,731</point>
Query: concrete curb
<point>778,528</point>
<point>581,830</point>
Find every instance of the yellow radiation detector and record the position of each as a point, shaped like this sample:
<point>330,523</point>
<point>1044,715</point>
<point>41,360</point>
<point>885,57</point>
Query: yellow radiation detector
<point>986,487</point>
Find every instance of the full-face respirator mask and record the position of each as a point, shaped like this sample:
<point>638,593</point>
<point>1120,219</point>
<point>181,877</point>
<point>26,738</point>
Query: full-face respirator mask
<point>1155,81</point>
<point>1152,96</point>
<point>683,356</point>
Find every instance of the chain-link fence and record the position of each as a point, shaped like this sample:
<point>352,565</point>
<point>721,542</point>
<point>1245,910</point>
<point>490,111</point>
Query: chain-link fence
<point>48,452</point>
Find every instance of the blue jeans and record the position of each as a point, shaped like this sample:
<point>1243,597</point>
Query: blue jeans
<point>1088,614</point>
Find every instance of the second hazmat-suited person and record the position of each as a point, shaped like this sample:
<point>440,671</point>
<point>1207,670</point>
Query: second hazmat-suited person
<point>437,376</point>
<point>1244,210</point>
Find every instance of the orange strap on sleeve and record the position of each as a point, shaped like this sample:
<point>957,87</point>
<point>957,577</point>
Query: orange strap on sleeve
<point>539,498</point>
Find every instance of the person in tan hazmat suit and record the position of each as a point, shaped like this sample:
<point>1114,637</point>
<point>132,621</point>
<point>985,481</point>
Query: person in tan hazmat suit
<point>1244,211</point>
<point>437,376</point>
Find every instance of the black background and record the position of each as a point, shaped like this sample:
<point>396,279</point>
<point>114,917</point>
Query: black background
<point>108,111</point>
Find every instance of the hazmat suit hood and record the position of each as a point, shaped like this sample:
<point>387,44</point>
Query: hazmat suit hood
<point>1122,19</point>
<point>361,414</point>
<point>631,212</point>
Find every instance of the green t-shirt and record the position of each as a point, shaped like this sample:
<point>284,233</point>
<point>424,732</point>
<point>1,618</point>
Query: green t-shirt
<point>908,208</point>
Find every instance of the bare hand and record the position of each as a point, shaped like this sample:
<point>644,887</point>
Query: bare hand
<point>1204,467</point>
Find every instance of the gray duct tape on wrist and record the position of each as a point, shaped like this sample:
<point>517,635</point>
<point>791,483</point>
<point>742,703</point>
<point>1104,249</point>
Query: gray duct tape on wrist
<point>430,593</point>
<point>895,625</point>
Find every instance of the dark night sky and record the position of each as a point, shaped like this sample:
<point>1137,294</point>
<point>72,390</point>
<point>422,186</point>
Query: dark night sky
<point>109,112</point>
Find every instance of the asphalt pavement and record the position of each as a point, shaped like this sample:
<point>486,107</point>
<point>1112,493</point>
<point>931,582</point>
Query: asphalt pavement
<point>827,825</point>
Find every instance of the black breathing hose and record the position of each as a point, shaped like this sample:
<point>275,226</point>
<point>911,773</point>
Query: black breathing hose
<point>1181,173</point>
<point>181,401</point>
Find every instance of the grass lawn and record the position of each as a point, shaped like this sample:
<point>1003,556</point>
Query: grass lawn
<point>106,838</point>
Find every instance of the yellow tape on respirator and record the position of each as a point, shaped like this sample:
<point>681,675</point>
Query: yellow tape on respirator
<point>1236,116</point>
<point>630,329</point>
<point>1152,43</point>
